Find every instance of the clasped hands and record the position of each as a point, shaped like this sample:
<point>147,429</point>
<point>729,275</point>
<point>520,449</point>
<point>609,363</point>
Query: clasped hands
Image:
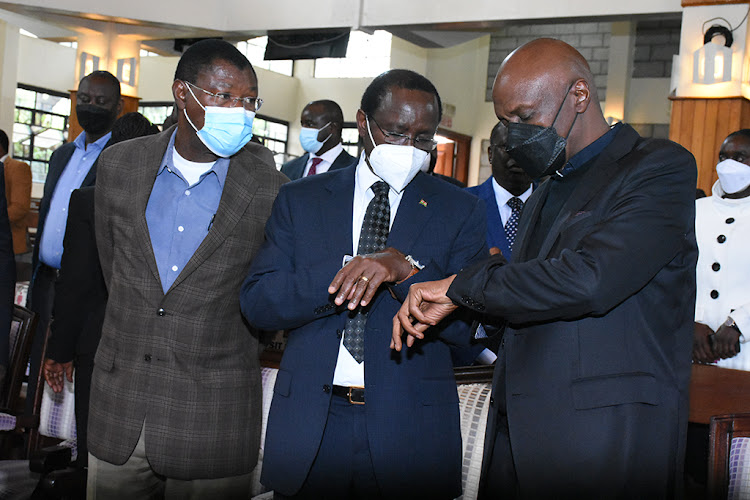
<point>54,372</point>
<point>709,346</point>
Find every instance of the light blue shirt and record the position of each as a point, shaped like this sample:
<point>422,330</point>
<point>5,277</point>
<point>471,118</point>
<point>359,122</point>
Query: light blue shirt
<point>83,158</point>
<point>179,216</point>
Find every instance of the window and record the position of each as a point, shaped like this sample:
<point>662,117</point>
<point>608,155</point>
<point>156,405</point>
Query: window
<point>41,124</point>
<point>350,139</point>
<point>255,49</point>
<point>156,112</point>
<point>273,134</point>
<point>148,53</point>
<point>366,56</point>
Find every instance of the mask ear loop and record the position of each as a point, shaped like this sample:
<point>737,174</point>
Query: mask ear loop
<point>329,135</point>
<point>560,109</point>
<point>184,110</point>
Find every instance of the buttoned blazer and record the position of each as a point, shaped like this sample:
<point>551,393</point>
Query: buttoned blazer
<point>183,361</point>
<point>496,236</point>
<point>18,195</point>
<point>411,402</point>
<point>57,163</point>
<point>295,168</point>
<point>601,323</point>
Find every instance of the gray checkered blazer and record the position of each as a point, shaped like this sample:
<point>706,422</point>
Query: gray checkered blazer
<point>184,362</point>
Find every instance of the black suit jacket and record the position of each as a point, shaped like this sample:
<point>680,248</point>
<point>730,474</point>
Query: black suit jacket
<point>295,168</point>
<point>57,163</point>
<point>80,292</point>
<point>7,276</point>
<point>598,350</point>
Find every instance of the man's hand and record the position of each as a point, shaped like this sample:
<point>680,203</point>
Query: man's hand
<point>426,305</point>
<point>702,352</point>
<point>53,373</point>
<point>726,342</point>
<point>358,281</point>
<point>495,251</point>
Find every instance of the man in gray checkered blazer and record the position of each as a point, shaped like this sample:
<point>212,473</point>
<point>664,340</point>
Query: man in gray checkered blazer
<point>176,391</point>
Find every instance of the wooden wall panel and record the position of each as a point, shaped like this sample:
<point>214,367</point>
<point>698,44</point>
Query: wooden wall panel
<point>701,125</point>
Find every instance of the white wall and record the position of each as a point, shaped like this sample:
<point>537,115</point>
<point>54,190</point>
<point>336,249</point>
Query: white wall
<point>46,64</point>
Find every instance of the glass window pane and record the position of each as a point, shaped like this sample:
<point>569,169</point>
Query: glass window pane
<point>25,98</point>
<point>366,56</point>
<point>38,171</point>
<point>255,49</point>
<point>23,116</point>
<point>55,104</point>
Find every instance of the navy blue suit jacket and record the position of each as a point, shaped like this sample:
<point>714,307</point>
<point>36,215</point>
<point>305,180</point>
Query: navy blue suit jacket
<point>412,405</point>
<point>295,168</point>
<point>495,230</point>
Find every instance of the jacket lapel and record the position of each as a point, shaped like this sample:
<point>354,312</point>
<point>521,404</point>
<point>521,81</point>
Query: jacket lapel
<point>336,222</point>
<point>414,211</point>
<point>239,189</point>
<point>144,173</point>
<point>529,218</point>
<point>598,175</point>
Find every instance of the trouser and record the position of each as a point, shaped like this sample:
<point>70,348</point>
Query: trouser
<point>42,302</point>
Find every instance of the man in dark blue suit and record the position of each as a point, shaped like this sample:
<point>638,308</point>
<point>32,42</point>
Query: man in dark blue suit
<point>590,391</point>
<point>71,166</point>
<point>320,136</point>
<point>336,429</point>
<point>508,185</point>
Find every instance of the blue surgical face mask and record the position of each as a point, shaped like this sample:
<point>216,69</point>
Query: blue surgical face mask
<point>308,137</point>
<point>225,130</point>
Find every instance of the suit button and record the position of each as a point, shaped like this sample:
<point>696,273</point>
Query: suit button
<point>721,238</point>
<point>714,294</point>
<point>715,266</point>
<point>147,358</point>
<point>326,388</point>
<point>730,220</point>
<point>338,334</point>
<point>161,312</point>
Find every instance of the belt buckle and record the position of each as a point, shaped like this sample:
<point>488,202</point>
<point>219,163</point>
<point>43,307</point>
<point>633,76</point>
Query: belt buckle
<point>350,395</point>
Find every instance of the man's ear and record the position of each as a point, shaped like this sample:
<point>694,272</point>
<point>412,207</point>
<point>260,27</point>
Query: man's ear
<point>582,95</point>
<point>119,106</point>
<point>179,91</point>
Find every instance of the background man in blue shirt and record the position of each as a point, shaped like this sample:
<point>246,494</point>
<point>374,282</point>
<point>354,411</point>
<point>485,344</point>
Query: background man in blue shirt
<point>72,166</point>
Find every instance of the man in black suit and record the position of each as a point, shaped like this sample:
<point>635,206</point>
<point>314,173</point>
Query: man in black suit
<point>590,395</point>
<point>320,136</point>
<point>7,279</point>
<point>71,166</point>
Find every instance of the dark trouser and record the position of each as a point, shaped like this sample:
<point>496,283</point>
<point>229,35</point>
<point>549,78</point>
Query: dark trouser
<point>343,467</point>
<point>498,478</point>
<point>42,301</point>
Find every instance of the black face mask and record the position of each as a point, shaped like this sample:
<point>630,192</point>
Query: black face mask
<point>95,120</point>
<point>538,150</point>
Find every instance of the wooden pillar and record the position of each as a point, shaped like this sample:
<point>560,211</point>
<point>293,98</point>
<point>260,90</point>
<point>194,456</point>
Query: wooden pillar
<point>701,125</point>
<point>129,104</point>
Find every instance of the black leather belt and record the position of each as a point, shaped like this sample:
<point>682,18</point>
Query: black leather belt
<point>49,271</point>
<point>355,395</point>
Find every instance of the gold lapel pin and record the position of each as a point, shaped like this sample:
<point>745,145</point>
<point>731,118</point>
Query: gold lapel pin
<point>423,203</point>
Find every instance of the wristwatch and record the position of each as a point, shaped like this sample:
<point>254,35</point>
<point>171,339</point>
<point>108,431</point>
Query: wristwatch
<point>414,263</point>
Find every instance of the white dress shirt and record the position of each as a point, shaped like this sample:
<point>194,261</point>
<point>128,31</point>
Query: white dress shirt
<point>348,372</point>
<point>501,198</point>
<point>327,160</point>
<point>729,284</point>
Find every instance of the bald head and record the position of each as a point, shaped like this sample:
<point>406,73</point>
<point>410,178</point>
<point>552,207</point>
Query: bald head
<point>538,79</point>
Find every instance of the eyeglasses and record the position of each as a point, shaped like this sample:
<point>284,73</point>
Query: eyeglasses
<point>423,143</point>
<point>225,100</point>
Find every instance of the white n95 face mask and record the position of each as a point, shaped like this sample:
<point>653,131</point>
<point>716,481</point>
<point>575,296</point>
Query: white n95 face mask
<point>396,165</point>
<point>733,176</point>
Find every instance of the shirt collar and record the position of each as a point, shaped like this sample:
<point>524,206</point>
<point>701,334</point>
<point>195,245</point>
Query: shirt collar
<point>3,158</point>
<point>80,141</point>
<point>330,155</point>
<point>364,176</point>
<point>588,153</point>
<point>220,168</point>
<point>502,195</point>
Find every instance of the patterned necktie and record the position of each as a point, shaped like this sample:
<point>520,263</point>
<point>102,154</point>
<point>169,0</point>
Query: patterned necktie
<point>314,167</point>
<point>372,238</point>
<point>511,227</point>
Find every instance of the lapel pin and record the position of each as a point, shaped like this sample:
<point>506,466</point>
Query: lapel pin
<point>423,203</point>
